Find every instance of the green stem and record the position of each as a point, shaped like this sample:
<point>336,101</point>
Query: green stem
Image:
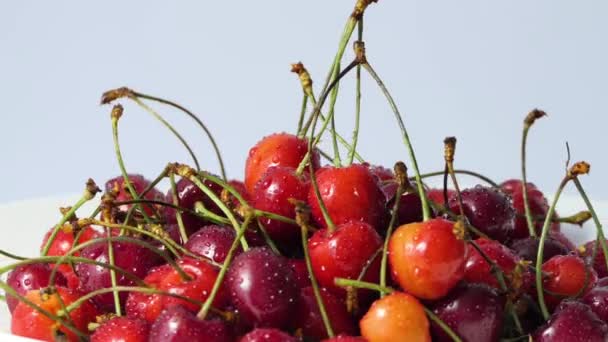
<point>351,155</point>
<point>344,282</point>
<point>315,285</point>
<point>389,232</point>
<point>267,237</point>
<point>426,212</point>
<point>524,185</point>
<point>201,211</point>
<point>332,105</point>
<point>220,277</point>
<point>541,247</point>
<point>216,149</point>
<point>464,172</point>
<point>600,231</point>
<point>302,114</point>
<point>113,281</point>
<point>178,214</point>
<point>442,325</point>
<point>148,188</point>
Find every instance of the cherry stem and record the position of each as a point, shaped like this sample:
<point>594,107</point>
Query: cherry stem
<point>201,211</point>
<point>198,121</point>
<point>89,193</point>
<point>302,113</point>
<point>464,172</point>
<point>148,188</point>
<point>426,212</point>
<point>12,256</point>
<point>351,155</point>
<point>541,247</point>
<point>314,283</point>
<point>267,237</point>
<point>401,176</point>
<point>116,114</point>
<point>117,308</point>
<point>528,122</point>
<point>220,277</point>
<point>344,282</point>
<point>178,214</point>
<point>600,232</point>
<point>450,151</point>
<point>337,161</point>
<point>10,291</point>
<point>442,325</point>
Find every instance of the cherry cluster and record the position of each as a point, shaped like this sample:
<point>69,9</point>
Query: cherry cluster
<point>305,251</point>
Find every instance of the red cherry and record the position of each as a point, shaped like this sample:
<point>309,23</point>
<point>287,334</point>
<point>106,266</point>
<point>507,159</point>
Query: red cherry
<point>538,208</point>
<point>139,183</point>
<point>436,196</point>
<point>410,206</point>
<point>511,185</point>
<point>599,263</point>
<point>344,253</point>
<point>381,172</point>
<point>212,242</point>
<point>26,278</point>
<point>267,335</point>
<point>478,270</point>
<point>308,317</point>
<point>345,338</point>
<point>527,248</point>
<point>396,317</point>
<point>300,272</point>
<point>597,299</point>
<point>566,276</point>
<point>280,149</point>
<point>177,324</point>
<point>122,329</point>
<point>427,259</point>
<point>30,323</point>
<point>273,193</point>
<point>572,322</point>
<point>350,193</point>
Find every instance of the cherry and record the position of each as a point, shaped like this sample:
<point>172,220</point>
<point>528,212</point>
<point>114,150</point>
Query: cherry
<point>188,194</point>
<point>29,277</point>
<point>128,256</point>
<point>172,230</point>
<point>139,183</point>
<point>489,210</point>
<point>511,185</point>
<point>597,299</point>
<point>122,329</point>
<point>308,317</point>
<point>599,263</point>
<point>212,242</point>
<point>177,324</point>
<point>300,272</point>
<point>30,323</point>
<point>538,208</point>
<point>384,174</point>
<point>273,193</point>
<point>279,149</point>
<point>344,253</point>
<point>572,322</point>
<point>267,335</point>
<point>563,239</point>
<point>350,193</point>
<point>166,278</point>
<point>436,196</point>
<point>427,259</point>
<point>410,206</point>
<point>478,270</point>
<point>261,285</point>
<point>566,276</point>
<point>239,186</point>
<point>473,311</point>
<point>527,248</point>
<point>345,338</point>
<point>395,317</point>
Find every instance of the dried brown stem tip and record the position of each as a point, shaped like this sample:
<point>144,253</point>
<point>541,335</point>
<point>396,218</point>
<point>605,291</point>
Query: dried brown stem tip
<point>579,218</point>
<point>360,56</point>
<point>360,7</point>
<point>115,94</point>
<point>449,149</point>
<point>302,212</point>
<point>533,116</point>
<point>401,174</point>
<point>183,170</point>
<point>580,168</point>
<point>91,189</point>
<point>304,76</point>
<point>117,111</point>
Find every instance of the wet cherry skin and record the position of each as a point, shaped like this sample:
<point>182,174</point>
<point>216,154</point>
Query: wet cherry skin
<point>30,277</point>
<point>345,338</point>
<point>139,183</point>
<point>267,335</point>
<point>212,242</point>
<point>566,276</point>
<point>122,329</point>
<point>597,299</point>
<point>410,206</point>
<point>599,263</point>
<point>527,248</point>
<point>427,259</point>
<point>572,322</point>
<point>176,324</point>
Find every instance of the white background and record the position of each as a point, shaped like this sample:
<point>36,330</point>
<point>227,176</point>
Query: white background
<point>472,69</point>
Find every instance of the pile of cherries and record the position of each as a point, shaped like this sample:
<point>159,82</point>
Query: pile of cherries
<point>300,251</point>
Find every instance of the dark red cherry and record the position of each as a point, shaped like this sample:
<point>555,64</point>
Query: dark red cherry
<point>527,248</point>
<point>489,210</point>
<point>436,196</point>
<point>262,288</point>
<point>267,335</point>
<point>597,299</point>
<point>308,317</point>
<point>29,277</point>
<point>344,253</point>
<point>410,206</point>
<point>122,329</point>
<point>566,276</point>
<point>128,256</point>
<point>279,149</point>
<point>300,272</point>
<point>139,183</point>
<point>188,194</point>
<point>511,185</point>
<point>177,324</point>
<point>345,338</point>
<point>212,242</point>
<point>599,263</point>
<point>350,193</point>
<point>475,312</point>
<point>478,270</point>
<point>273,193</point>
<point>240,188</point>
<point>172,230</point>
<point>572,322</point>
<point>384,174</point>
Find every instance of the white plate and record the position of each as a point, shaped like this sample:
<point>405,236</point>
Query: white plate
<point>25,222</point>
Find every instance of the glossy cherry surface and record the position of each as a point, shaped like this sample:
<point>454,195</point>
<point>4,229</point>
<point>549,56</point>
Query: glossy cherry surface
<point>527,248</point>
<point>478,270</point>
<point>29,277</point>
<point>139,183</point>
<point>599,263</point>
<point>267,335</point>
<point>279,149</point>
<point>427,259</point>
<point>212,242</point>
<point>572,322</point>
<point>597,299</point>
<point>300,272</point>
<point>262,287</point>
<point>350,193</point>
<point>177,324</point>
<point>566,276</point>
<point>410,206</point>
<point>122,329</point>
